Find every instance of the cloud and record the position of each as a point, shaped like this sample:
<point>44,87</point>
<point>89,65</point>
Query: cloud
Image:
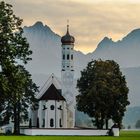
<point>90,20</point>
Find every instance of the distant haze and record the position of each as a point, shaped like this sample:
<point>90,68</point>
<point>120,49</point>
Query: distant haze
<point>90,20</point>
<point>46,46</point>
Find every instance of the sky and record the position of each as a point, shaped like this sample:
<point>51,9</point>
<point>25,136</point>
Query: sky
<point>89,20</point>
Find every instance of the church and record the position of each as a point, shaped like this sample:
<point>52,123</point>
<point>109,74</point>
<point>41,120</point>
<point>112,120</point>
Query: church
<point>56,99</point>
<point>55,112</point>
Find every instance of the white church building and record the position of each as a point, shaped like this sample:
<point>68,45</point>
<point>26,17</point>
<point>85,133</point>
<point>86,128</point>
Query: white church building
<point>56,100</point>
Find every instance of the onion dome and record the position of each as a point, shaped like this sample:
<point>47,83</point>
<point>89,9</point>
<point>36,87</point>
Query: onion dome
<point>67,39</point>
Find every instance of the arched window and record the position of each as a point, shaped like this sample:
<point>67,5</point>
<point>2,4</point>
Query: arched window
<point>52,107</point>
<point>51,123</point>
<point>68,57</point>
<point>72,57</point>
<point>63,57</point>
<point>60,123</point>
<point>60,107</point>
<point>43,125</point>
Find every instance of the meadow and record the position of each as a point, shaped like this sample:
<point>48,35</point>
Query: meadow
<point>124,135</point>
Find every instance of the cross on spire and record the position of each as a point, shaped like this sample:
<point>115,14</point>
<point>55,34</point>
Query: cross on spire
<point>67,26</point>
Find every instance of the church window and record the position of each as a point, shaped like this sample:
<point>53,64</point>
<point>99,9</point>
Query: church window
<point>60,107</point>
<point>52,107</point>
<point>51,123</point>
<point>63,56</point>
<point>60,123</point>
<point>44,107</point>
<point>43,125</point>
<point>71,57</point>
<point>68,57</point>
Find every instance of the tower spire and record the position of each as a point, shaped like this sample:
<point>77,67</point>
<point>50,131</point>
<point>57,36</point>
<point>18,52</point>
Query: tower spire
<point>67,26</point>
<point>67,38</point>
<point>67,72</point>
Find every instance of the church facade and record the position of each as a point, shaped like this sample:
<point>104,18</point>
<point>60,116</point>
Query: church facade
<point>56,100</point>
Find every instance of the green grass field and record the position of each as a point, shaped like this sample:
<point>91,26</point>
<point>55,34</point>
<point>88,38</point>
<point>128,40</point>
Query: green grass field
<point>124,135</point>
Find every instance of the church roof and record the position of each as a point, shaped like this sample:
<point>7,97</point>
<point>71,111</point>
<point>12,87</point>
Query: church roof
<point>67,39</point>
<point>52,94</point>
<point>51,80</point>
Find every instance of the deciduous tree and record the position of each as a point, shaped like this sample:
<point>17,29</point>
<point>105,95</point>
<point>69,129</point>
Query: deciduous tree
<point>17,89</point>
<point>103,92</point>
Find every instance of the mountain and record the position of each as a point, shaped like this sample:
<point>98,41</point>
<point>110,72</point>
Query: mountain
<point>46,47</point>
<point>125,52</point>
<point>46,58</point>
<point>131,116</point>
<point>133,82</point>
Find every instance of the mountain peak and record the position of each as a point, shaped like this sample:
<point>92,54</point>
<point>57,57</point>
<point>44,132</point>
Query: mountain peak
<point>133,35</point>
<point>38,24</point>
<point>41,28</point>
<point>135,31</point>
<point>106,40</point>
<point>104,44</point>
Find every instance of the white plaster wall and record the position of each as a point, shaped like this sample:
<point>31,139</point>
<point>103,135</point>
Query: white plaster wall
<point>48,114</point>
<point>58,113</point>
<point>67,76</point>
<point>67,49</point>
<point>61,114</point>
<point>116,131</point>
<point>55,114</point>
<point>64,115</point>
<point>65,132</point>
<point>34,117</point>
<point>51,113</point>
<point>69,94</point>
<point>41,112</point>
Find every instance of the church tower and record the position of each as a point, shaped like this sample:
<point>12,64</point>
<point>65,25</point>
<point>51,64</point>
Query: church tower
<point>67,75</point>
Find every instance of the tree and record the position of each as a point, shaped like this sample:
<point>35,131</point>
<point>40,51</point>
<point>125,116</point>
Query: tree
<point>16,86</point>
<point>137,124</point>
<point>103,92</point>
<point>129,127</point>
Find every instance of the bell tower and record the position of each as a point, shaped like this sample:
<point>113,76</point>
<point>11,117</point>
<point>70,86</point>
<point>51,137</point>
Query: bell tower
<point>67,75</point>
